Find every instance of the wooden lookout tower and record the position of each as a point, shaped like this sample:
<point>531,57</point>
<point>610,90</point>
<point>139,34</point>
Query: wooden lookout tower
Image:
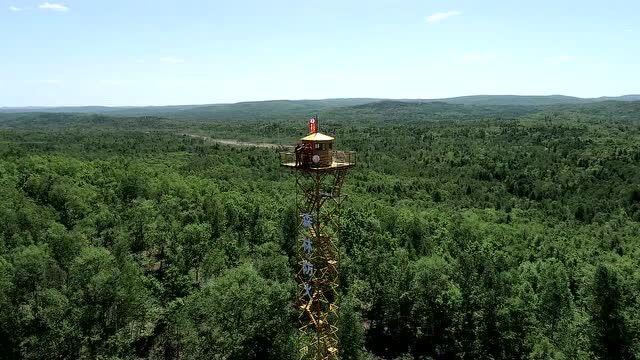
<point>320,171</point>
<point>317,150</point>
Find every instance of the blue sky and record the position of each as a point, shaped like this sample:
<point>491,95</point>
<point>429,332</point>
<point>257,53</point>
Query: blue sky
<point>142,52</point>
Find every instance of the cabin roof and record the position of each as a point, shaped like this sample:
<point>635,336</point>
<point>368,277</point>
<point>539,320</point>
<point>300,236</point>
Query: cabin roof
<point>317,137</point>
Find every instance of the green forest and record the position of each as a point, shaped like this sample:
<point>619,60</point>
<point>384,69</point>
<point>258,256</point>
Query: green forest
<point>469,232</point>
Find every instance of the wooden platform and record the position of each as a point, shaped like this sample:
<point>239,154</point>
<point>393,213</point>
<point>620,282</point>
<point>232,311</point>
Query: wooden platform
<point>334,166</point>
<point>341,160</point>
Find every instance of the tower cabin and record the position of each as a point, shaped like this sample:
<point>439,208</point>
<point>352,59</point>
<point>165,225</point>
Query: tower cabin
<point>316,152</point>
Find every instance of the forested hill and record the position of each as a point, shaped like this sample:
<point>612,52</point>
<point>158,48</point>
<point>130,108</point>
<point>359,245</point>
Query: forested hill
<point>241,110</point>
<point>468,232</point>
<point>265,109</point>
<point>383,110</point>
<point>529,100</point>
<point>402,111</point>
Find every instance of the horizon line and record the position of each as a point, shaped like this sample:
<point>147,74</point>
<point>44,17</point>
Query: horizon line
<point>316,99</point>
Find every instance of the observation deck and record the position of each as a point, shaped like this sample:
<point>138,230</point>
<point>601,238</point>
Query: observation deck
<point>338,160</point>
<point>315,152</point>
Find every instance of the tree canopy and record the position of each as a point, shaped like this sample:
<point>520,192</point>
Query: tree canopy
<point>469,231</point>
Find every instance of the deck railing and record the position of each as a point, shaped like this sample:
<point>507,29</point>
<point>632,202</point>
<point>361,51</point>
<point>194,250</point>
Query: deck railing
<point>339,157</point>
<point>344,157</point>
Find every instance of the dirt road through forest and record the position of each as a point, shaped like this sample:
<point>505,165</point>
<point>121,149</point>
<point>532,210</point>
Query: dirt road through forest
<point>233,142</point>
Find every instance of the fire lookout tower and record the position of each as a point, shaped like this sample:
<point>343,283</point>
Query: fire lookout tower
<point>320,171</point>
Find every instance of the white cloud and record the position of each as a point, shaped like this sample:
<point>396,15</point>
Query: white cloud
<point>14,8</point>
<point>171,60</point>
<point>439,16</point>
<point>53,6</point>
<point>478,58</point>
<point>561,59</point>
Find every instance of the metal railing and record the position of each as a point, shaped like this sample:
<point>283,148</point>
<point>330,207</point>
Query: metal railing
<point>287,158</point>
<point>344,157</point>
<point>339,157</point>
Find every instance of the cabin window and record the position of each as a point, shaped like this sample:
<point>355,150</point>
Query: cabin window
<point>317,146</point>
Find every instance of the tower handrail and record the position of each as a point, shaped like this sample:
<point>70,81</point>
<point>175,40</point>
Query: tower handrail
<point>341,157</point>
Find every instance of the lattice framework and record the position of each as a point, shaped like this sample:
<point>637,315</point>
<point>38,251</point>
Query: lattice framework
<point>318,194</point>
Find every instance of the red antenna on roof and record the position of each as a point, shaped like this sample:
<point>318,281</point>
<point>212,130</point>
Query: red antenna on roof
<point>313,124</point>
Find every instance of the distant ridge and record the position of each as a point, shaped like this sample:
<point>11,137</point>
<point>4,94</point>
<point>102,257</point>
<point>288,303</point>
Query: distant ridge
<point>526,99</point>
<point>236,110</point>
<point>296,107</point>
